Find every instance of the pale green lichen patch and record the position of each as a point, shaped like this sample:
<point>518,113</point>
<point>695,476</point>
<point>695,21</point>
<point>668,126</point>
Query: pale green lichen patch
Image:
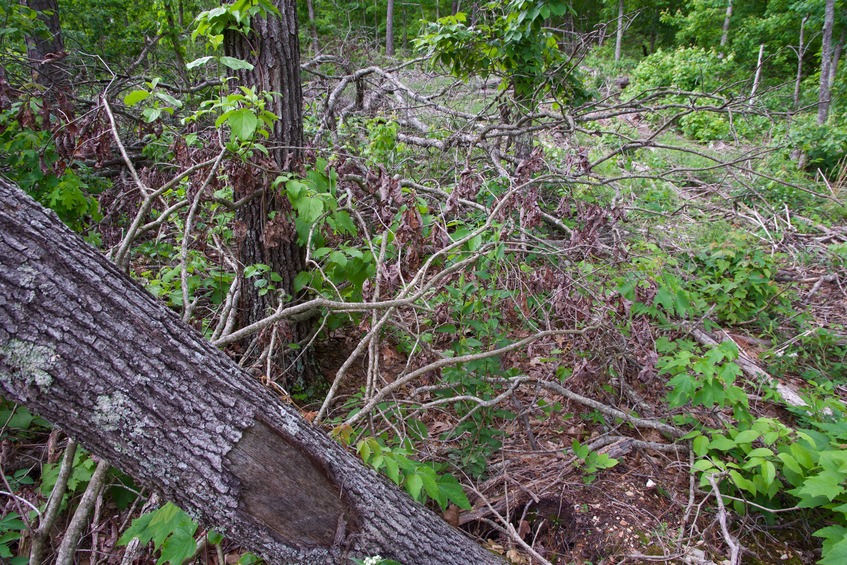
<point>110,410</point>
<point>29,362</point>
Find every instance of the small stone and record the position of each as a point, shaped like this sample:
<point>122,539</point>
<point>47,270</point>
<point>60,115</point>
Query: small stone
<point>784,557</point>
<point>650,483</point>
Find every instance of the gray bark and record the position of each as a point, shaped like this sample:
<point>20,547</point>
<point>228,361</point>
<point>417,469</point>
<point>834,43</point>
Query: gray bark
<point>758,75</point>
<point>85,347</point>
<point>619,37</point>
<point>726,20</point>
<point>801,51</point>
<point>313,29</point>
<point>389,28</point>
<point>826,62</point>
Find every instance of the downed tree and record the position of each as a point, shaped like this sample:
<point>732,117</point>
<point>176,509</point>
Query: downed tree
<point>88,349</point>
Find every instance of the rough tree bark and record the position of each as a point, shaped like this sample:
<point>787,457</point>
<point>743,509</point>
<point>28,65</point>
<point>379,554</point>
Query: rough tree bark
<point>88,349</point>
<point>826,62</point>
<point>264,227</point>
<point>46,54</point>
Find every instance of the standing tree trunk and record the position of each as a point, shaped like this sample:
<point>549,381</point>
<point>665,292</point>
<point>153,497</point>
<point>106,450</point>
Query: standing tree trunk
<point>758,75</point>
<point>826,62</point>
<point>389,29</point>
<point>801,52</point>
<point>313,28</point>
<point>46,54</point>
<point>726,20</point>
<point>619,38</point>
<point>84,346</point>
<point>264,228</point>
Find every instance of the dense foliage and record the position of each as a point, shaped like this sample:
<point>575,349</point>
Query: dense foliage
<point>581,253</point>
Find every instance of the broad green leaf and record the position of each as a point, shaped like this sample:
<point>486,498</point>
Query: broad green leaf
<point>392,470</point>
<point>135,97</point>
<point>747,436</point>
<point>700,445</point>
<point>243,123</point>
<point>826,484</point>
<point>236,64</point>
<point>721,443</point>
<point>790,463</point>
<point>454,491</point>
<point>768,472</point>
<point>414,484</point>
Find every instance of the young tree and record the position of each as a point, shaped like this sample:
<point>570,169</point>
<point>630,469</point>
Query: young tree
<point>619,36</point>
<point>826,62</point>
<point>389,29</point>
<point>726,21</point>
<point>87,348</point>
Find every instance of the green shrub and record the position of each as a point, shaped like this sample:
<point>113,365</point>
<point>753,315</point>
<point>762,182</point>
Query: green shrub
<point>691,69</point>
<point>825,146</point>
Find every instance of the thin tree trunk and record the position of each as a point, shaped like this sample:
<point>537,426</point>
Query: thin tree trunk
<point>313,28</point>
<point>801,51</point>
<point>173,35</point>
<point>86,347</point>
<point>826,62</point>
<point>264,228</point>
<point>758,75</point>
<point>619,38</point>
<point>454,7</point>
<point>726,20</point>
<point>389,29</point>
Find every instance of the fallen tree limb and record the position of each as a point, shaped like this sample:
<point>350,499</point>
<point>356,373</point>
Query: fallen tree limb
<point>749,367</point>
<point>84,346</point>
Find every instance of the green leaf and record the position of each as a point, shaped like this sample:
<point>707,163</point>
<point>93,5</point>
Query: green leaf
<point>826,484</point>
<point>392,470</point>
<point>198,62</point>
<point>703,465</point>
<point>310,209</point>
<point>721,443</point>
<point>414,484</point>
<point>768,472</point>
<point>747,436</point>
<point>790,463</point>
<point>243,123</point>
<point>454,491</point>
<point>236,64</point>
<point>135,97</point>
<point>700,445</point>
<point>338,258</point>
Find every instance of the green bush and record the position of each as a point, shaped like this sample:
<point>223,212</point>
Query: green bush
<point>691,69</point>
<point>825,146</point>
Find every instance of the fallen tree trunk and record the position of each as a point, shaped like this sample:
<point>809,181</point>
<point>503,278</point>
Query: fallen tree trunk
<point>91,351</point>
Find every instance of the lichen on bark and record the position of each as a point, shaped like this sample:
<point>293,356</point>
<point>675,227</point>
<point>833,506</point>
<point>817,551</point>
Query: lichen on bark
<point>27,361</point>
